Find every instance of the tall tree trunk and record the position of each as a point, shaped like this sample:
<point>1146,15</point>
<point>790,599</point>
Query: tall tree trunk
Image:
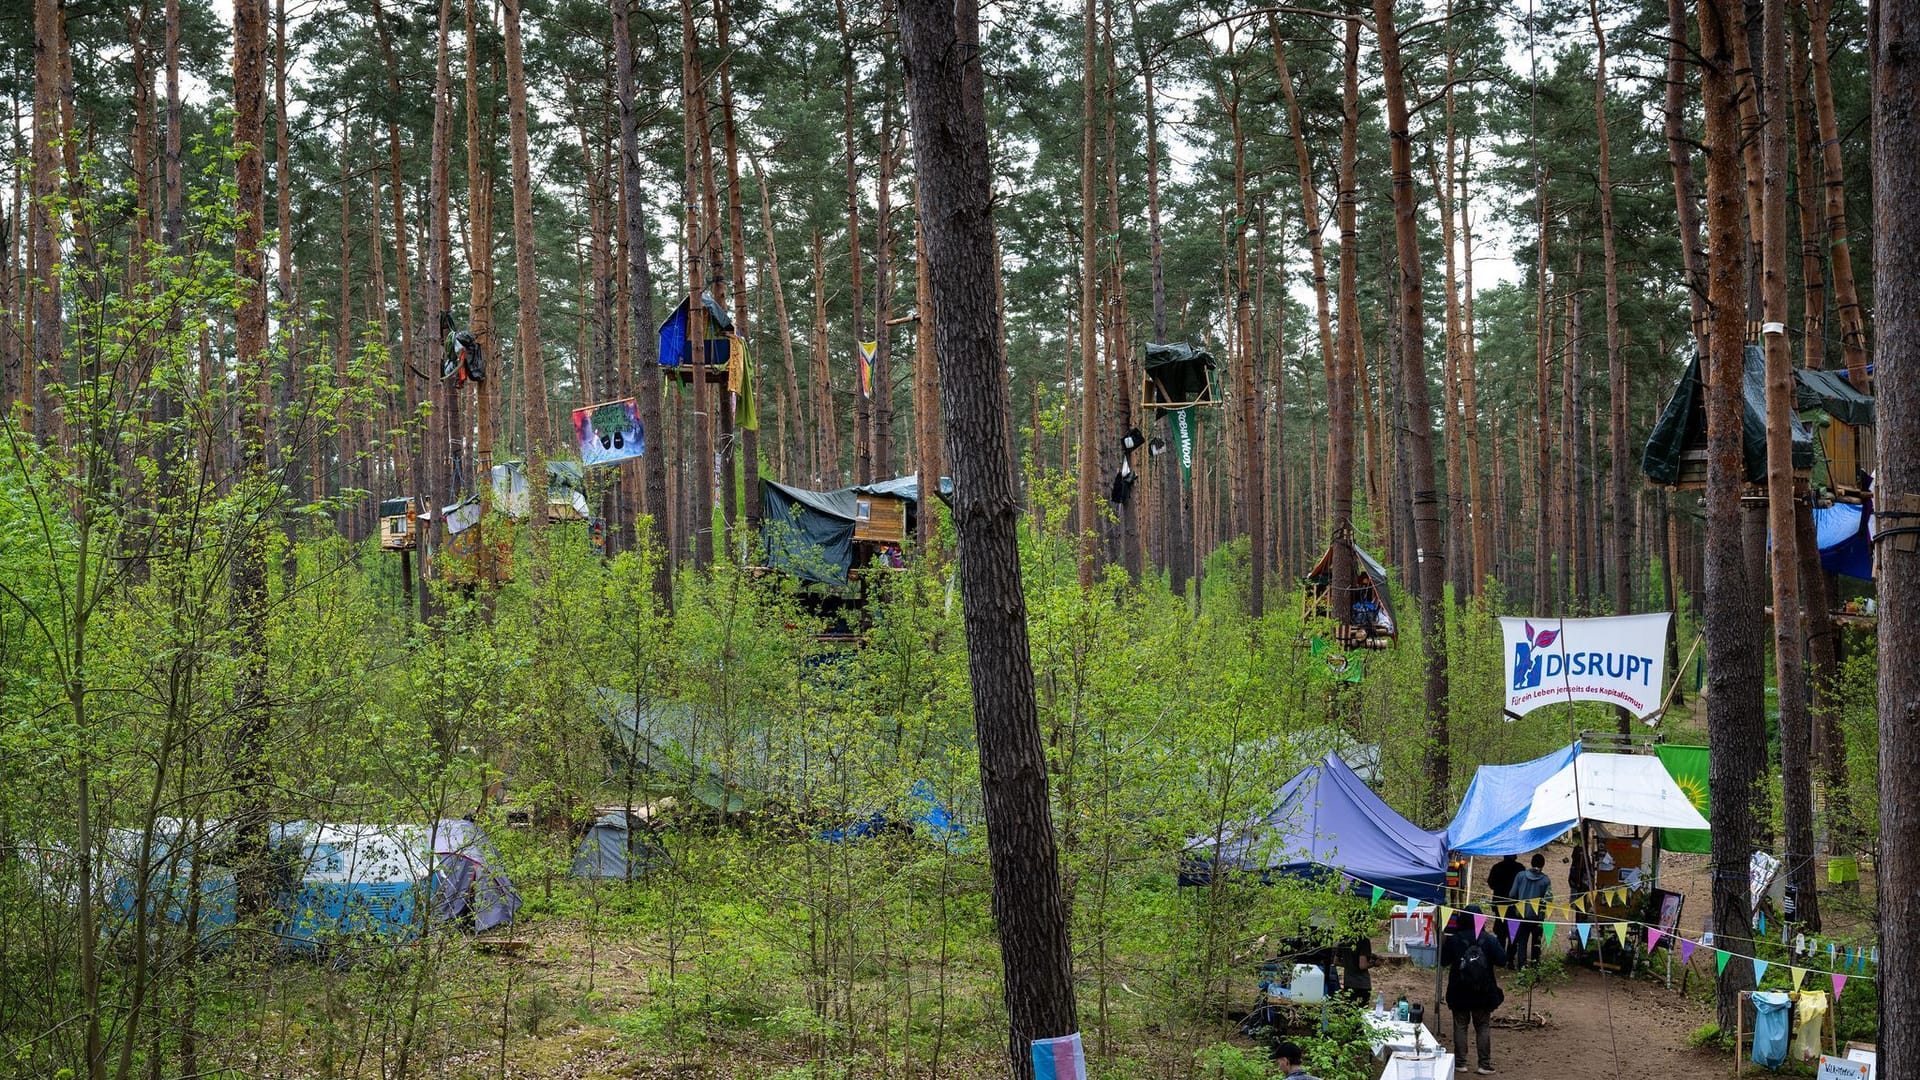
<point>402,270</point>
<point>862,408</point>
<point>1345,378</point>
<point>533,367</point>
<point>694,114</point>
<point>1541,474</point>
<point>826,441</point>
<point>1896,250</point>
<point>1616,358</point>
<point>1246,403</point>
<point>926,377</point>
<point>480,265</point>
<point>950,141</point>
<point>1735,725</point>
<point>1088,463</point>
<point>1846,295</point>
<point>1169,487</point>
<point>1680,162</point>
<point>1789,663</point>
<point>1813,267</point>
<point>1119,340</point>
<point>790,426</point>
<point>881,413</point>
<point>44,364</point>
<point>447,455</point>
<point>1483,514</point>
<point>1431,556</point>
<point>736,239</point>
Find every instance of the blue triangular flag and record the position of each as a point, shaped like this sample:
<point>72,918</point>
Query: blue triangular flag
<point>1759,970</point>
<point>1583,929</point>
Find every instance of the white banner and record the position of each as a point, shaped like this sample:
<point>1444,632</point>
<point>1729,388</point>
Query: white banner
<point>1620,660</point>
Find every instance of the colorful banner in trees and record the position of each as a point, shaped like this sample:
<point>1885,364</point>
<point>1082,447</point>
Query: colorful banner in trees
<point>867,349</point>
<point>609,433</point>
<point>1619,660</point>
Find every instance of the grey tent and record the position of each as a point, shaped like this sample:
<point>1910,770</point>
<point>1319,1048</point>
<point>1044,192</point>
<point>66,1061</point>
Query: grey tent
<point>613,850</point>
<point>1681,431</point>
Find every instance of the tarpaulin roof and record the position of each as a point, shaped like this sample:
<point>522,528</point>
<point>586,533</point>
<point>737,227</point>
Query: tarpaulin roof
<point>1326,817</point>
<point>1845,546</point>
<point>1830,390</point>
<point>809,534</point>
<point>1490,817</point>
<point>1184,371</point>
<point>1683,425</point>
<point>1623,789</point>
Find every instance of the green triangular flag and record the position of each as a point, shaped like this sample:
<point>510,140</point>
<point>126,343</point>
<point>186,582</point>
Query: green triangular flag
<point>1546,934</point>
<point>1378,892</point>
<point>1720,961</point>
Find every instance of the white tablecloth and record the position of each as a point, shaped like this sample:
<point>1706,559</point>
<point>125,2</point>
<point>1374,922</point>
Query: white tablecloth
<point>1433,1065</point>
<point>1389,1034</point>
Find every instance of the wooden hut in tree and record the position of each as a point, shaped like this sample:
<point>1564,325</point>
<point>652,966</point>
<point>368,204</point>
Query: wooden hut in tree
<point>1370,623</point>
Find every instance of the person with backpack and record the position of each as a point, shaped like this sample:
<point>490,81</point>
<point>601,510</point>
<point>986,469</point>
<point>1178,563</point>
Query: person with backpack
<point>1473,992</point>
<point>1532,889</point>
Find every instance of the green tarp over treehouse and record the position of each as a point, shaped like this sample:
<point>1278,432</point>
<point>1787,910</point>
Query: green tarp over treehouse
<point>1676,451</point>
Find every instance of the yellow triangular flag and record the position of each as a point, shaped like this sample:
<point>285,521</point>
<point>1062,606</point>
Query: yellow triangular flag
<point>1620,931</point>
<point>1620,895</point>
<point>1445,915</point>
<point>1579,903</point>
<point>1799,975</point>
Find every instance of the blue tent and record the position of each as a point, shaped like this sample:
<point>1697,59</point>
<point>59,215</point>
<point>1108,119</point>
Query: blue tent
<point>1489,821</point>
<point>1325,818</point>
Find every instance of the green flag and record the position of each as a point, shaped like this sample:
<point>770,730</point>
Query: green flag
<point>1378,892</point>
<point>1720,961</point>
<point>1546,934</point>
<point>1181,424</point>
<point>1688,767</point>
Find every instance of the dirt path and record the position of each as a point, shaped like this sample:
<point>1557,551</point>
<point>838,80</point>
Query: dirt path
<point>1592,1027</point>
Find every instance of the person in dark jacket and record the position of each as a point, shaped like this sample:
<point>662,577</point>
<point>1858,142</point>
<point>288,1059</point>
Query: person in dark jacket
<point>1473,991</point>
<point>1500,879</point>
<point>1532,889</point>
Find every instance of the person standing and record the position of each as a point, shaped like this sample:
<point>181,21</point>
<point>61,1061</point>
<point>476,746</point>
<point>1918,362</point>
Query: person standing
<point>1532,889</point>
<point>1356,963</point>
<point>1500,881</point>
<point>1473,991</point>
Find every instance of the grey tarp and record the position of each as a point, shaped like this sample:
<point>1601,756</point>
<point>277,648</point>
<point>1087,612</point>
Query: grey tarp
<point>603,852</point>
<point>1683,425</point>
<point>668,742</point>
<point>809,534</point>
<point>1830,392</point>
<point>1184,372</point>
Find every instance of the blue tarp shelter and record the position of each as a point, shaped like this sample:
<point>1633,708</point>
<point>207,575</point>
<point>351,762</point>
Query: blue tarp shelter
<point>1327,818</point>
<point>922,812</point>
<point>360,882</point>
<point>1490,818</point>
<point>1840,532</point>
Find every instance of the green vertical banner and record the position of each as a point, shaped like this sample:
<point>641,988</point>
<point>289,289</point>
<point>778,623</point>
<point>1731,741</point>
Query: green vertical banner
<point>1180,424</point>
<point>1688,767</point>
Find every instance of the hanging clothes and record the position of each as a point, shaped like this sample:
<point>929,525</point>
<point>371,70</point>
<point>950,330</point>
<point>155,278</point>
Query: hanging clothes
<point>1770,1029</point>
<point>1809,1024</point>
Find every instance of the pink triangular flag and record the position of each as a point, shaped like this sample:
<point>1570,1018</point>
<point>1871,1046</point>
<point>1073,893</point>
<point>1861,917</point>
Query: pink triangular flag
<point>1479,925</point>
<point>1839,981</point>
<point>1686,949</point>
<point>1654,935</point>
<point>1513,929</point>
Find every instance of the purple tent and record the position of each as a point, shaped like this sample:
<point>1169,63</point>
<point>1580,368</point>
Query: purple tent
<point>470,882</point>
<point>1327,818</point>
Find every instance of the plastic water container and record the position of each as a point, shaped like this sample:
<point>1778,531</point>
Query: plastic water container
<point>1309,985</point>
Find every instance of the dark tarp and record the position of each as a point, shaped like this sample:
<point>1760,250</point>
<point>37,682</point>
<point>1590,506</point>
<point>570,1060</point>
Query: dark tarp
<point>1830,392</point>
<point>1183,371</point>
<point>1683,425</point>
<point>1840,531</point>
<point>1325,817</point>
<point>809,534</point>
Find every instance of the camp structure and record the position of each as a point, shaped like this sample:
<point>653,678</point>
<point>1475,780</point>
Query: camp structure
<point>832,541</point>
<point>1510,809</point>
<point>1370,623</point>
<point>616,847</point>
<point>354,883</point>
<point>1840,419</point>
<point>1177,375</point>
<point>720,346</point>
<point>178,860</point>
<point>480,557</point>
<point>668,749</point>
<point>1325,820</point>
<point>1676,451</point>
